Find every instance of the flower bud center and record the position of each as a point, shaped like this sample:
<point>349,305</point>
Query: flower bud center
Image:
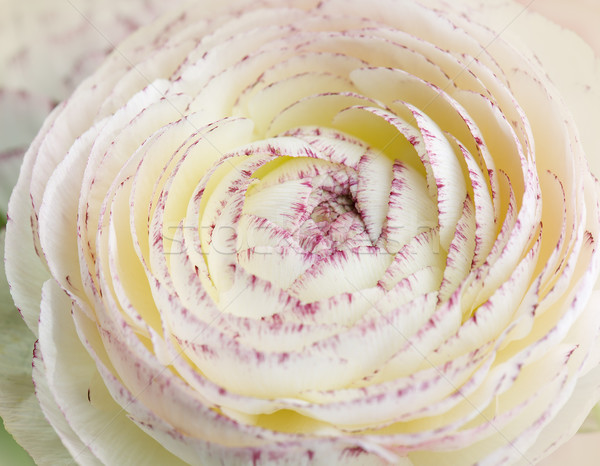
<point>333,225</point>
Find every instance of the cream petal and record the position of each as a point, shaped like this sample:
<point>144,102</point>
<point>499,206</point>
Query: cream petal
<point>54,298</point>
<point>571,415</point>
<point>410,208</point>
<point>103,428</point>
<point>342,271</point>
<point>461,252</point>
<point>274,98</point>
<point>446,171</point>
<point>24,271</point>
<point>10,164</point>
<point>570,62</point>
<point>314,110</point>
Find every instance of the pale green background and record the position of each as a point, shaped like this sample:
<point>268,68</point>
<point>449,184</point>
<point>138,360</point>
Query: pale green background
<point>11,454</point>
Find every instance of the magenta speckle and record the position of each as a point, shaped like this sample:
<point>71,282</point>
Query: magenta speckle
<point>354,451</point>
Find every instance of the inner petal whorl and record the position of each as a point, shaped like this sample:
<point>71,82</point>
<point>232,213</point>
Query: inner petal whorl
<point>334,223</point>
<point>316,209</point>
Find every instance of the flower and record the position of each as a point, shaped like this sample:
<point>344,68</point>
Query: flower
<point>299,235</point>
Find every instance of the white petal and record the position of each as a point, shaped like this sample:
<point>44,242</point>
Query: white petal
<point>19,407</point>
<point>10,164</point>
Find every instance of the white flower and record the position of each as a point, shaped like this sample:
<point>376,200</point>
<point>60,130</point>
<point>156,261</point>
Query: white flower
<point>332,232</point>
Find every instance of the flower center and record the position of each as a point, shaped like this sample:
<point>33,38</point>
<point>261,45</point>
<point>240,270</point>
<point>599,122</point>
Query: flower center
<point>334,224</point>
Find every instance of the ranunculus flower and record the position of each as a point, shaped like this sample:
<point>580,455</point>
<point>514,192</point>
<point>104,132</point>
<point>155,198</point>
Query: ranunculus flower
<point>319,233</point>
